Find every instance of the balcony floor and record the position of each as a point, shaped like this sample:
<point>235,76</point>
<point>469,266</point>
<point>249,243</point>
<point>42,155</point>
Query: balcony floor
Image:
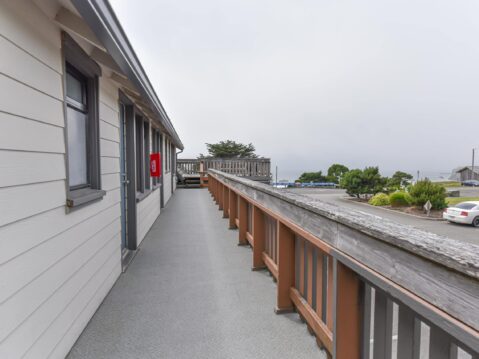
<point>190,293</point>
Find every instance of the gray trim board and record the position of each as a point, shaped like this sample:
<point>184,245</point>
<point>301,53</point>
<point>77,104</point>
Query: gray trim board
<point>102,20</point>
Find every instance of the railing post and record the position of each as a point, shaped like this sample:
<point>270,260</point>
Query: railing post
<point>226,201</point>
<point>347,315</point>
<point>243,221</point>
<point>233,208</point>
<point>217,192</point>
<point>286,271</point>
<point>258,238</point>
<point>220,196</point>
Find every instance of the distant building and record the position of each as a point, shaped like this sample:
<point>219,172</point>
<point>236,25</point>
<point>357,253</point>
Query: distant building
<point>465,173</point>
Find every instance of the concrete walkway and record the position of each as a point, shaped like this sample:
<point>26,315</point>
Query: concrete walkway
<point>190,293</point>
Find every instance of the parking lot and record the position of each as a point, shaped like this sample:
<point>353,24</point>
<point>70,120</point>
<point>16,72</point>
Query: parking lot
<point>458,232</point>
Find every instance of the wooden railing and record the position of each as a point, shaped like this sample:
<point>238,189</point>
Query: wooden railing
<point>365,286</point>
<point>258,169</point>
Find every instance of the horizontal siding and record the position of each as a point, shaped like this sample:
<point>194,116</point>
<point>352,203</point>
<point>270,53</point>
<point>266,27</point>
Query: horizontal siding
<point>109,148</point>
<point>20,168</point>
<point>80,285</point>
<point>109,114</point>
<point>19,237</point>
<point>71,322</point>
<point>29,28</point>
<point>147,212</point>
<point>109,92</point>
<point>167,186</point>
<point>23,67</point>
<point>110,181</point>
<point>110,165</point>
<point>40,258</point>
<point>24,101</point>
<point>109,132</point>
<point>20,202</point>
<point>21,134</point>
<point>53,273</point>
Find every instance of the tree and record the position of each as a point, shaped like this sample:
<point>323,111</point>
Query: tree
<point>399,179</point>
<point>336,172</point>
<point>352,181</point>
<point>373,182</point>
<point>307,177</point>
<point>366,182</point>
<point>230,149</point>
<point>423,191</point>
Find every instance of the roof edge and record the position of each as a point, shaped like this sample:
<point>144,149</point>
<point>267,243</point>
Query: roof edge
<point>101,18</point>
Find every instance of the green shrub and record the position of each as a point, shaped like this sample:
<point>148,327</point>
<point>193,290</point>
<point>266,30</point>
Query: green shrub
<point>400,199</point>
<point>424,191</point>
<point>380,199</point>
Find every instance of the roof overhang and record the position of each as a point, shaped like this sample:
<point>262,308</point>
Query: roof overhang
<point>101,19</point>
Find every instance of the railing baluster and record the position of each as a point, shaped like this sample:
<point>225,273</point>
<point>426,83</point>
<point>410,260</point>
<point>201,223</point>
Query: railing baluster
<point>439,344</point>
<point>220,196</point>
<point>409,334</point>
<point>305,270</point>
<point>330,294</point>
<point>243,218</point>
<point>314,278</point>
<point>233,207</point>
<point>366,321</point>
<point>226,201</point>
<point>383,321</point>
<point>324,287</point>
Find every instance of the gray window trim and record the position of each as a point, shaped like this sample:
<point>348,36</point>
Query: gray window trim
<point>146,153</point>
<point>74,55</point>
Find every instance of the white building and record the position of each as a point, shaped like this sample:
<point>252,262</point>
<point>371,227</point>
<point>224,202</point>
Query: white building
<point>78,120</point>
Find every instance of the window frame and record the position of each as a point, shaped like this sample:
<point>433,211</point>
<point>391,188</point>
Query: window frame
<point>76,60</point>
<point>146,154</point>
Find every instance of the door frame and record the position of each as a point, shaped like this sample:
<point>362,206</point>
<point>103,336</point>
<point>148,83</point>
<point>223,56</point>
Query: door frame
<point>127,150</point>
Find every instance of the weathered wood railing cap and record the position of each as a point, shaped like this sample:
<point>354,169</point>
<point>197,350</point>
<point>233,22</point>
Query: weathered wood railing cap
<point>454,254</point>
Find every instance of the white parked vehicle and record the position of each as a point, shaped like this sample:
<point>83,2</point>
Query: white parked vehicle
<point>464,212</point>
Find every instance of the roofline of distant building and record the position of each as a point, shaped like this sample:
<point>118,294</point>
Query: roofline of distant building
<point>100,17</point>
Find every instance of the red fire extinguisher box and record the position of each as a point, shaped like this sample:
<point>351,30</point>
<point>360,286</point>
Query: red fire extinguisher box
<point>155,164</point>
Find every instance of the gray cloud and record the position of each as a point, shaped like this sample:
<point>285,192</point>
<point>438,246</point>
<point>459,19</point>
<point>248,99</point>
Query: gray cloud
<point>388,83</point>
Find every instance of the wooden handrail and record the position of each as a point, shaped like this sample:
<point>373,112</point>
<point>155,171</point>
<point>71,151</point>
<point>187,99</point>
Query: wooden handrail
<point>254,168</point>
<point>331,261</point>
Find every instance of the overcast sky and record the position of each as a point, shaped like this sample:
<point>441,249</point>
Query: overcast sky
<point>312,82</point>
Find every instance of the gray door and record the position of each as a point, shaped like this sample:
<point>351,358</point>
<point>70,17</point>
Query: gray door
<point>123,180</point>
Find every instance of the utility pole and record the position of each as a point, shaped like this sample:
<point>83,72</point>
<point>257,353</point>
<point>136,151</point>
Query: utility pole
<point>472,167</point>
<point>276,175</point>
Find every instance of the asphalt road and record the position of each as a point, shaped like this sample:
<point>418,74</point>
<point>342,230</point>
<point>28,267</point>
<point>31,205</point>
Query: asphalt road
<point>454,231</point>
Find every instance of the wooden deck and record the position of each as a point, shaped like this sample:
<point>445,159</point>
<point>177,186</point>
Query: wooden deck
<point>190,293</point>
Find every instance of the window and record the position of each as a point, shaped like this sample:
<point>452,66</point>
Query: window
<point>81,125</point>
<point>167,155</point>
<point>172,157</point>
<point>146,153</point>
<point>139,153</point>
<point>142,156</point>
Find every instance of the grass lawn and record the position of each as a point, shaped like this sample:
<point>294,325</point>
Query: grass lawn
<point>449,183</point>
<point>455,200</point>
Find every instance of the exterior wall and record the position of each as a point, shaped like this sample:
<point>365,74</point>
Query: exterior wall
<point>467,174</point>
<point>55,267</point>
<point>148,209</point>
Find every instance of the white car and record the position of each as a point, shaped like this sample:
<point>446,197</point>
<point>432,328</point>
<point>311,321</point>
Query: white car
<point>464,212</point>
